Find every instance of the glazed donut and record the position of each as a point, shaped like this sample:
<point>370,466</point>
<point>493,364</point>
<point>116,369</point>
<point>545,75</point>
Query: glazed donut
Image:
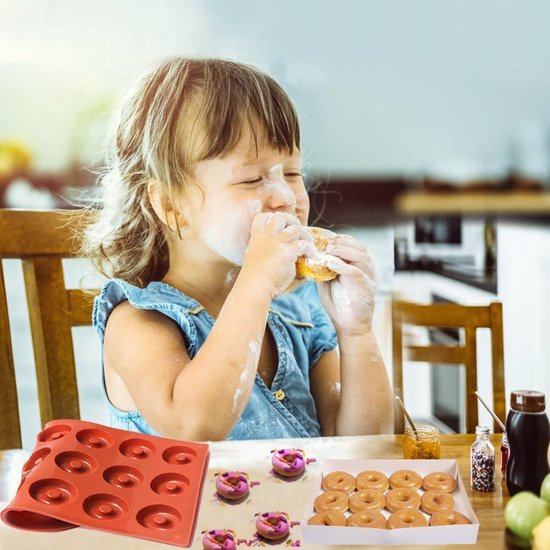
<point>371,479</point>
<point>232,485</point>
<point>367,499</point>
<point>399,499</point>
<point>219,539</point>
<point>339,481</point>
<point>315,268</point>
<point>331,501</point>
<point>449,518</point>
<point>367,518</point>
<point>328,518</point>
<point>406,518</point>
<point>288,462</point>
<point>405,479</point>
<point>436,501</point>
<point>439,481</point>
<point>272,525</point>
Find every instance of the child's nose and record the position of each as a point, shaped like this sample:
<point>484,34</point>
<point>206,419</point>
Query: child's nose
<point>281,195</point>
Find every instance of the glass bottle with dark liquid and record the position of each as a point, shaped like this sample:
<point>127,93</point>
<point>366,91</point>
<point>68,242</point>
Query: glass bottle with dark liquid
<point>528,433</point>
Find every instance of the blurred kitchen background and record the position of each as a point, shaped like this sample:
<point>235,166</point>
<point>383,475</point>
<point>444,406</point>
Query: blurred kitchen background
<point>407,109</point>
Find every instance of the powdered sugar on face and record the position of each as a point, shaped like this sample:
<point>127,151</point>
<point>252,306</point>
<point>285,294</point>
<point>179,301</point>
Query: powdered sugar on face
<point>229,234</point>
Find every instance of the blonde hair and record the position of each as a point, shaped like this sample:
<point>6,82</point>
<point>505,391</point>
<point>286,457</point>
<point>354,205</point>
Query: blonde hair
<point>185,111</point>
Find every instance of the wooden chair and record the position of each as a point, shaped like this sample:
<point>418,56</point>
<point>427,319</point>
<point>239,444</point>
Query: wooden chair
<point>469,318</point>
<point>41,239</point>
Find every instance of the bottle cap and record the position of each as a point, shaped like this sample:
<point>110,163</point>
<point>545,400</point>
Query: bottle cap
<point>527,401</point>
<point>483,430</point>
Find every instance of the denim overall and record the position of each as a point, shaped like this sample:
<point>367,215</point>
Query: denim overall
<point>301,330</point>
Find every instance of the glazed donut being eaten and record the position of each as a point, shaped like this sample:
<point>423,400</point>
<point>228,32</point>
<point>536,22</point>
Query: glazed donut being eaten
<point>439,481</point>
<point>436,501</point>
<point>402,499</point>
<point>339,481</point>
<point>367,518</point>
<point>406,518</point>
<point>315,267</point>
<point>331,501</point>
<point>336,519</point>
<point>449,518</point>
<point>367,499</point>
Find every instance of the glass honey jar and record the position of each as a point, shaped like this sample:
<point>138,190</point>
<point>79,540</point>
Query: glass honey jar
<point>426,446</point>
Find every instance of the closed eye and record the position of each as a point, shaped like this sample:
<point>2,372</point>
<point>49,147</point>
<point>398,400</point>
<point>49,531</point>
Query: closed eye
<point>255,180</point>
<point>260,179</point>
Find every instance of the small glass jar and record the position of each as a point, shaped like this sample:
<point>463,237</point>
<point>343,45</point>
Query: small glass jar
<point>427,444</point>
<point>482,461</point>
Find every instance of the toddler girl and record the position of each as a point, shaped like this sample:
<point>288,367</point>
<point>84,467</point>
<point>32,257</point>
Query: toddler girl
<point>206,333</point>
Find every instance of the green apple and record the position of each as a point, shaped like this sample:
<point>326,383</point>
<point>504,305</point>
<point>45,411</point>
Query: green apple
<point>545,488</point>
<point>524,511</point>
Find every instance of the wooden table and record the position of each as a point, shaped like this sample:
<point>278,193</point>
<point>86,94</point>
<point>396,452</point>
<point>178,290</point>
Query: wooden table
<point>253,457</point>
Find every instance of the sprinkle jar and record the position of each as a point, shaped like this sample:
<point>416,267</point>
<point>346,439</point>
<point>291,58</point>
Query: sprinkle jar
<point>482,459</point>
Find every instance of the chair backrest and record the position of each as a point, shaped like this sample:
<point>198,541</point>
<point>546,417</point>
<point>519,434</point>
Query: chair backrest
<point>41,239</point>
<point>469,318</point>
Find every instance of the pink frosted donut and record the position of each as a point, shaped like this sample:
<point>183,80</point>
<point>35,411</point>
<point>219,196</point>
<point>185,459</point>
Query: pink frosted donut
<point>288,462</point>
<point>219,539</point>
<point>232,485</point>
<point>273,525</point>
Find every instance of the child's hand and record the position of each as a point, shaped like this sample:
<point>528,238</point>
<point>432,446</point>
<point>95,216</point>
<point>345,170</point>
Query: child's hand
<point>277,239</point>
<point>349,299</point>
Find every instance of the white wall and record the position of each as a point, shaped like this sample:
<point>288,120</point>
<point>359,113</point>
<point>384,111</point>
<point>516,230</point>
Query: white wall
<point>524,288</point>
<point>381,86</point>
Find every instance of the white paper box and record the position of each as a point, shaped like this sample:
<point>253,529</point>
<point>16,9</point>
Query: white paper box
<point>448,534</point>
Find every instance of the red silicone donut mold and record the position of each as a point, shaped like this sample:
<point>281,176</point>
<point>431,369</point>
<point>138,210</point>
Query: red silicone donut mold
<point>89,475</point>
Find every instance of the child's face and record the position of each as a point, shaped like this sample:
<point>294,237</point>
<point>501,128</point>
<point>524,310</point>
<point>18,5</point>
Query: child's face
<point>241,185</point>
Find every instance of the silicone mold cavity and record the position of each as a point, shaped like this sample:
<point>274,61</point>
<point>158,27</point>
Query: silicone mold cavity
<point>105,507</point>
<point>75,462</point>
<point>169,484</point>
<point>54,433</point>
<point>137,449</point>
<point>95,439</point>
<point>123,477</point>
<point>179,455</point>
<point>159,517</point>
<point>53,491</point>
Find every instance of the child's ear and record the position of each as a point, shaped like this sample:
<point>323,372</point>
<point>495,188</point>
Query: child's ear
<point>163,207</point>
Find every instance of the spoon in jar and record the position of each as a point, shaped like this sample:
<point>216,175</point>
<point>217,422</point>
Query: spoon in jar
<point>497,419</point>
<point>409,419</point>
